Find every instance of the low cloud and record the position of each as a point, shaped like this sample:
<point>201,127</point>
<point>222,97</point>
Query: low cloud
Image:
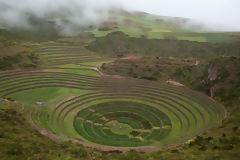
<point>76,13</point>
<point>214,14</point>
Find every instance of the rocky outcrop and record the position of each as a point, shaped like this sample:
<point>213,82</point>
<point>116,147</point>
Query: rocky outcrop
<point>212,73</point>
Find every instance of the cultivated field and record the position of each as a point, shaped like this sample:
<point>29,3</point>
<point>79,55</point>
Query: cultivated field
<point>103,111</point>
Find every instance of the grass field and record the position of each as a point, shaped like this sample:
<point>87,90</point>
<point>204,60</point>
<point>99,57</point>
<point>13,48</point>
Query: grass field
<point>158,27</point>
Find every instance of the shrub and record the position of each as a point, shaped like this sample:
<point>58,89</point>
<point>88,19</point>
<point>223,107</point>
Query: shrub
<point>135,133</point>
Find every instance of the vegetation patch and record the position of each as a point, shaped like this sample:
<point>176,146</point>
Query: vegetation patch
<point>118,44</point>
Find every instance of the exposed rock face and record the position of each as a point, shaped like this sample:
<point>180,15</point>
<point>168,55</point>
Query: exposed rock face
<point>212,73</point>
<point>197,63</point>
<point>4,100</point>
<point>170,81</point>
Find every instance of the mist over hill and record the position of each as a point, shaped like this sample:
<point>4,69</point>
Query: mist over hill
<point>73,14</point>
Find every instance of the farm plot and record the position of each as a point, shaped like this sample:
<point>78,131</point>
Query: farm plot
<point>59,54</point>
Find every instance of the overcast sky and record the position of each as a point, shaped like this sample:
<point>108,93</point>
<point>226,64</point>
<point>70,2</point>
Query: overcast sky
<point>218,14</point>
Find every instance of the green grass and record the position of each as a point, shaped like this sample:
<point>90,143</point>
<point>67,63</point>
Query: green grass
<point>155,35</point>
<point>119,128</point>
<point>97,64</point>
<point>131,31</point>
<point>192,128</point>
<point>2,107</point>
<point>18,137</point>
<point>50,95</point>
<point>85,72</point>
<point>116,107</point>
<point>111,139</point>
<point>196,39</point>
<point>150,21</point>
<point>215,37</point>
<point>130,122</point>
<point>72,66</point>
<point>98,33</point>
<point>175,133</point>
<point>154,27</point>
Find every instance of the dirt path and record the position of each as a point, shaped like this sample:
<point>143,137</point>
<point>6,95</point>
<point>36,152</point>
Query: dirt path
<point>98,70</point>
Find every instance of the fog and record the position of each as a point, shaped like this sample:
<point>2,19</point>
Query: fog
<point>77,13</point>
<point>215,14</point>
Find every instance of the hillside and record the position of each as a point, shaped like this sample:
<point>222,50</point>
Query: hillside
<point>15,56</point>
<point>133,24</point>
<point>134,87</point>
<point>118,44</point>
<point>217,77</point>
<point>141,24</point>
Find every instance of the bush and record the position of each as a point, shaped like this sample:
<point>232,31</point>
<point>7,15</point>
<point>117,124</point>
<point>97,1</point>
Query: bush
<point>135,133</point>
<point>149,78</point>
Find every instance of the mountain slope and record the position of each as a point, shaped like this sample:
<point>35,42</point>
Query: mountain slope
<point>136,25</point>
